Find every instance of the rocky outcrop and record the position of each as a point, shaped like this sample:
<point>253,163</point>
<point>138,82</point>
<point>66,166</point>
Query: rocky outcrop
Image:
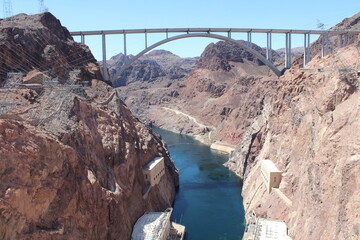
<point>41,43</point>
<point>71,158</point>
<point>144,71</point>
<point>218,56</point>
<point>294,51</point>
<point>308,133</point>
<point>158,66</point>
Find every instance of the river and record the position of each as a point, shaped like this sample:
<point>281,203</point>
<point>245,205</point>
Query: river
<point>209,201</point>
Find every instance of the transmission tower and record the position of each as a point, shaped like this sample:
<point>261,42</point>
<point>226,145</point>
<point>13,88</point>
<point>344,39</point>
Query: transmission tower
<point>42,7</point>
<point>7,7</point>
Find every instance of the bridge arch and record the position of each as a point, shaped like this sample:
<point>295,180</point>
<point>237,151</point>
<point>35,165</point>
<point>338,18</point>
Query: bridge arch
<point>207,35</point>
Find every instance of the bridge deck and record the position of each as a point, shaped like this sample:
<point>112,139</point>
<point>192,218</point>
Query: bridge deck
<point>208,30</point>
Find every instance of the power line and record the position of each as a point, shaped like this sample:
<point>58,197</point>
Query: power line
<point>66,62</point>
<point>29,62</point>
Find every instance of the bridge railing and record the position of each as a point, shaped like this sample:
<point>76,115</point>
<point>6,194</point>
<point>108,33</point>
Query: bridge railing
<point>213,30</point>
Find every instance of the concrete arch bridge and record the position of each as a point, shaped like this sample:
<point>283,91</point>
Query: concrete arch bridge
<point>225,35</point>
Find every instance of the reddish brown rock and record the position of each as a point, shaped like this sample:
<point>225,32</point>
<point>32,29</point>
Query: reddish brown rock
<point>71,157</point>
<point>41,43</point>
<point>309,132</point>
<point>87,182</point>
<point>35,77</point>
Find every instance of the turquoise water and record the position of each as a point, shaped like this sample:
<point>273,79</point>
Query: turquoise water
<point>209,201</point>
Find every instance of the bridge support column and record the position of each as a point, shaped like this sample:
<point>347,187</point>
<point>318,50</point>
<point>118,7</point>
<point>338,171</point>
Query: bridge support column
<point>341,40</point>
<point>249,39</point>
<point>104,57</point>
<point>145,40</point>
<point>268,47</point>
<point>306,49</point>
<point>287,50</point>
<point>309,49</point>
<point>83,39</point>
<point>125,44</point>
<point>346,35</point>
<point>326,48</point>
<point>322,45</point>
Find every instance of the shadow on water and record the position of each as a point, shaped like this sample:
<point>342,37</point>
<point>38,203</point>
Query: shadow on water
<point>208,201</point>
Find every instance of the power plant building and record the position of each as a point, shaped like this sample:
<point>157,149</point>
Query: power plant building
<point>154,170</point>
<point>265,229</point>
<point>157,225</point>
<point>270,174</point>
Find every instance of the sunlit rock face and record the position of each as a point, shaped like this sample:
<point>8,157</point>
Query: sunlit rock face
<point>309,130</point>
<point>71,155</point>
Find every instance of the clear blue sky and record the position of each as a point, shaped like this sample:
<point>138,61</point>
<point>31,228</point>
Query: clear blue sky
<point>79,15</point>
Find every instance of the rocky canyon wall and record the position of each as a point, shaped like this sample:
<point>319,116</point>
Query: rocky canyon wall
<point>309,129</point>
<point>71,155</point>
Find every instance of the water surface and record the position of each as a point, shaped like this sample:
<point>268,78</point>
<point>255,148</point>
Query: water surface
<point>209,201</point>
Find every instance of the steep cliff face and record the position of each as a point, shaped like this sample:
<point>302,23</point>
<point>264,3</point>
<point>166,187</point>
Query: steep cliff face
<point>78,174</point>
<point>71,158</point>
<point>308,128</point>
<point>39,42</point>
